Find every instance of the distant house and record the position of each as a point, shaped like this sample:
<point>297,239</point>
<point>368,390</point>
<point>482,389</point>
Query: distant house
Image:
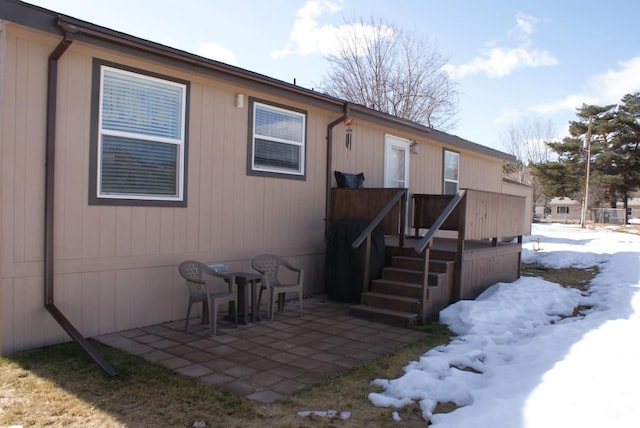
<point>564,209</point>
<point>121,157</point>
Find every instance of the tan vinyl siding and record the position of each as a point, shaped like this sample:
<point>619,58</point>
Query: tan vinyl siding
<point>366,154</point>
<point>115,266</point>
<point>425,168</point>
<point>480,172</point>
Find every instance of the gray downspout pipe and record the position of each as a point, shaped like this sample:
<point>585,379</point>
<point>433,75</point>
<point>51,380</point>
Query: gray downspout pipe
<point>52,97</point>
<point>327,214</point>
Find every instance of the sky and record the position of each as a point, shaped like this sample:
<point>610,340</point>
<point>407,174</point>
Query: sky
<point>533,364</point>
<point>512,61</point>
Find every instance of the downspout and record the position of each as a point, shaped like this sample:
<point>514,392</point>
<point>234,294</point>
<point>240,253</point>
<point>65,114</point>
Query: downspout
<point>52,97</point>
<point>327,214</point>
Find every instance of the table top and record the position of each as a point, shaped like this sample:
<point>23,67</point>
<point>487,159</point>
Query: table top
<point>246,275</point>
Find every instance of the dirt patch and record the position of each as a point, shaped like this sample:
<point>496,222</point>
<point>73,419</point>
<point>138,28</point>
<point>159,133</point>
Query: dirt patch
<point>567,277</point>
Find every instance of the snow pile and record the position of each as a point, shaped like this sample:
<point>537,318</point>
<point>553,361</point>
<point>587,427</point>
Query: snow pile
<point>522,360</point>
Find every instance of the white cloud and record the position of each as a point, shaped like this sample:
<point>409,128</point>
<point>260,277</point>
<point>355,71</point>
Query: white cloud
<point>502,61</point>
<point>607,87</point>
<point>499,62</point>
<point>217,52</point>
<point>307,35</point>
<point>525,25</point>
<point>507,116</point>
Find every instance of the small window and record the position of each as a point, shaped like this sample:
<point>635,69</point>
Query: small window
<point>140,139</point>
<point>276,141</point>
<point>451,172</point>
<point>562,210</point>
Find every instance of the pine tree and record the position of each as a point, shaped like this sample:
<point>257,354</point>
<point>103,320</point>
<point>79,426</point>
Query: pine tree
<point>615,153</point>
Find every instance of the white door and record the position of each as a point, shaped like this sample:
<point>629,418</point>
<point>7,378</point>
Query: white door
<point>396,162</point>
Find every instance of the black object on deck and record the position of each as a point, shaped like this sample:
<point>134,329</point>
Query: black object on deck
<point>344,271</point>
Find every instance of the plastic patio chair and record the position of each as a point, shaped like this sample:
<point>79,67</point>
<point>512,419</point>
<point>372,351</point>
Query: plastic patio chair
<point>269,265</point>
<point>193,273</point>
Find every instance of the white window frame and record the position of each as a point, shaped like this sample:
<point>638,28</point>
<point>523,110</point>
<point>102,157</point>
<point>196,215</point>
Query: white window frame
<point>390,143</point>
<point>446,180</point>
<point>179,142</point>
<point>300,172</point>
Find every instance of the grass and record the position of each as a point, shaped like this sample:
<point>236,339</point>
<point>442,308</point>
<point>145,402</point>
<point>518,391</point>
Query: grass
<point>568,277</point>
<point>60,386</point>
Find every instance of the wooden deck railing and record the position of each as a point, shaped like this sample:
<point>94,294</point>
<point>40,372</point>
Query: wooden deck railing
<point>486,215</point>
<point>449,218</point>
<point>384,207</point>
<point>473,214</point>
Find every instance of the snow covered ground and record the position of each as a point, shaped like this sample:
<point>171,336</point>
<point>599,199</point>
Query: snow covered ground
<point>532,366</point>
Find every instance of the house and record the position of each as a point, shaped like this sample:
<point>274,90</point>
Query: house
<point>618,215</point>
<point>121,157</point>
<point>565,209</point>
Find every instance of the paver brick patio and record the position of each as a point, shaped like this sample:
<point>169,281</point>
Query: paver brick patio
<point>267,360</point>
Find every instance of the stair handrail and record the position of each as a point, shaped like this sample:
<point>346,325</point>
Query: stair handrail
<point>444,215</point>
<point>424,244</point>
<point>378,219</point>
<point>366,233</point>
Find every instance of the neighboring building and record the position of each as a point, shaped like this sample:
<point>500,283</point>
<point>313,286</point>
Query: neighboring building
<point>565,210</point>
<point>121,157</point>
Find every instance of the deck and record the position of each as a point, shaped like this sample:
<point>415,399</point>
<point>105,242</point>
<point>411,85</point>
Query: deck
<point>445,248</point>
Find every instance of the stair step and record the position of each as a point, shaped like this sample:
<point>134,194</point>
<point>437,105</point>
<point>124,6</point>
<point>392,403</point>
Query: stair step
<point>407,262</point>
<point>441,266</point>
<point>442,254</point>
<point>390,301</point>
<point>398,288</point>
<point>412,276</point>
<point>386,316</point>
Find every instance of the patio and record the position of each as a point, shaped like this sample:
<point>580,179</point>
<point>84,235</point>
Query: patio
<point>267,360</point>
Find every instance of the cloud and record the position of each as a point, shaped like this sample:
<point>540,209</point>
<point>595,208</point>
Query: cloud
<point>607,87</point>
<point>508,115</point>
<point>525,26</point>
<point>307,35</point>
<point>217,52</point>
<point>502,61</point>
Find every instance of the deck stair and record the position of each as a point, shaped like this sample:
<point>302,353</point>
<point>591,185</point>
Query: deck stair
<point>395,297</point>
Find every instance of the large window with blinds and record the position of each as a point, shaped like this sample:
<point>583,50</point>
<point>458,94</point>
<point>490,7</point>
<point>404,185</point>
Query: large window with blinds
<point>140,138</point>
<point>276,141</point>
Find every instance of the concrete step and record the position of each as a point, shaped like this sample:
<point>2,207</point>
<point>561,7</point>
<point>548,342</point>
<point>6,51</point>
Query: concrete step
<point>383,315</point>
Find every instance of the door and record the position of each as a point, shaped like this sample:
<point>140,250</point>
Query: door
<point>396,165</point>
<point>396,162</point>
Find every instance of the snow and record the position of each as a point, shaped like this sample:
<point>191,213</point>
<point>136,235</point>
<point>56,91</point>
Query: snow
<point>520,359</point>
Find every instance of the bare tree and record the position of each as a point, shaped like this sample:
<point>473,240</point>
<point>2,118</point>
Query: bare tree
<point>527,140</point>
<point>383,68</point>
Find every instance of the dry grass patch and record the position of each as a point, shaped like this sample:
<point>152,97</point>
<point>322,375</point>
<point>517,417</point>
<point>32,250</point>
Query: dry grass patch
<point>60,386</point>
<point>567,277</point>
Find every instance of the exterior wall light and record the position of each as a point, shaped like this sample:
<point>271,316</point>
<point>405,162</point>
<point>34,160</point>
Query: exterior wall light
<point>414,148</point>
<point>239,100</point>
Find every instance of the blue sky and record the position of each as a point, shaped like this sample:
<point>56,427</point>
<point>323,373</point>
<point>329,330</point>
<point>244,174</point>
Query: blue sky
<point>511,59</point>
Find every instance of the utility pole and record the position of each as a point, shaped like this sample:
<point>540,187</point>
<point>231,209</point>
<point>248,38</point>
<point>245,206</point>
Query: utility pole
<point>585,199</point>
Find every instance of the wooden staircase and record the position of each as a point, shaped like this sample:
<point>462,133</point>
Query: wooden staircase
<point>396,297</point>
